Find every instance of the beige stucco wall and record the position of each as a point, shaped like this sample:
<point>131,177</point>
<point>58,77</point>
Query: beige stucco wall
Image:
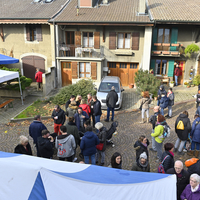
<point>186,36</point>
<point>15,37</point>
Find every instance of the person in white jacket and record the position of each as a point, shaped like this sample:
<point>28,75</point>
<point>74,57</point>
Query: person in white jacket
<point>65,144</point>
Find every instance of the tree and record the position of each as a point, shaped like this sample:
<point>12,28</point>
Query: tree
<point>146,82</point>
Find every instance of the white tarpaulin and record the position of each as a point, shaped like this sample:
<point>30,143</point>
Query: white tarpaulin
<point>9,75</point>
<point>32,178</point>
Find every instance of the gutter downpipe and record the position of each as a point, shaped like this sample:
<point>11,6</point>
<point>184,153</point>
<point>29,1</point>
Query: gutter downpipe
<point>56,66</point>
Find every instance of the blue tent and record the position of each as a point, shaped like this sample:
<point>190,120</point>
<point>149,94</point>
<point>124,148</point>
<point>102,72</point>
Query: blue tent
<point>29,178</point>
<point>7,60</point>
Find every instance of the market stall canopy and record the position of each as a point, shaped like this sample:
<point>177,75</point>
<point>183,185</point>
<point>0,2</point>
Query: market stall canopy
<point>50,179</point>
<point>7,60</point>
<point>8,75</point>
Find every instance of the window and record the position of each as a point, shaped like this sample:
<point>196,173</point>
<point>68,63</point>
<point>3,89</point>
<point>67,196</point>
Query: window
<point>33,32</point>
<point>161,66</point>
<point>66,65</point>
<point>123,65</point>
<point>112,65</point>
<point>106,86</point>
<point>133,66</point>
<point>124,41</point>
<point>163,35</point>
<point>84,70</point>
<point>88,40</point>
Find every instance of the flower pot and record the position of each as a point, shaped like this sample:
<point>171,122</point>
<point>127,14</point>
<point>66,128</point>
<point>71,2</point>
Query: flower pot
<point>156,52</point>
<point>174,52</point>
<point>188,86</point>
<point>165,52</point>
<point>131,85</point>
<point>171,84</point>
<point>157,44</point>
<point>165,44</point>
<point>174,45</point>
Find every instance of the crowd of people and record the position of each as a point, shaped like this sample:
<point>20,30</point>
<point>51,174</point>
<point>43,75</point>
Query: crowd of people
<point>83,128</point>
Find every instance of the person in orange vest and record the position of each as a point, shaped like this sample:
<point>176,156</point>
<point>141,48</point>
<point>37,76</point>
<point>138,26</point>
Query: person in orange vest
<point>38,78</point>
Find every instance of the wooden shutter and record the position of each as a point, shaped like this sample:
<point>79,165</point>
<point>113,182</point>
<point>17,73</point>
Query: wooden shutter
<point>135,40</point>
<point>39,33</point>
<point>174,38</point>
<point>112,40</point>
<point>154,38</point>
<point>74,70</point>
<point>78,38</point>
<point>94,70</point>
<point>170,68</point>
<point>97,40</point>
<point>28,38</point>
<point>153,64</point>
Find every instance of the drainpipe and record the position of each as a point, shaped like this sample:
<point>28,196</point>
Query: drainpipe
<point>56,75</point>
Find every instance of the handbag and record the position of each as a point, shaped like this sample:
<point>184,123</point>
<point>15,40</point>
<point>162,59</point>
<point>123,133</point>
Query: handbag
<point>142,105</point>
<point>100,146</point>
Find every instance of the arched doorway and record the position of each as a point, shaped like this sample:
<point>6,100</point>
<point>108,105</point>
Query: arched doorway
<point>30,63</point>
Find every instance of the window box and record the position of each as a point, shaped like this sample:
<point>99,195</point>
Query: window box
<point>175,45</point>
<point>165,52</point>
<point>174,53</point>
<point>165,44</point>
<point>157,44</point>
<point>157,52</point>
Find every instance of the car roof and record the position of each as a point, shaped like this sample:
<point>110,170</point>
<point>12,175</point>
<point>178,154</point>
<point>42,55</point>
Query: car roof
<point>113,79</point>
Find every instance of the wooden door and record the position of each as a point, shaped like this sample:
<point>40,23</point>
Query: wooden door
<point>30,63</point>
<point>198,69</point>
<point>123,73</point>
<point>133,68</point>
<point>70,41</point>
<point>66,73</point>
<point>113,69</point>
<point>181,65</point>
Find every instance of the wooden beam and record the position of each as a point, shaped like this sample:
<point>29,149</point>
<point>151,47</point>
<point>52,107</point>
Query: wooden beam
<point>24,21</point>
<point>2,34</point>
<point>103,33</point>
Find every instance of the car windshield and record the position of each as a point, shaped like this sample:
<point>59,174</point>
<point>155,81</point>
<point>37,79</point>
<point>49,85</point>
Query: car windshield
<point>106,87</point>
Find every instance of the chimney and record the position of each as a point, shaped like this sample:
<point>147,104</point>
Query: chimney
<point>142,7</point>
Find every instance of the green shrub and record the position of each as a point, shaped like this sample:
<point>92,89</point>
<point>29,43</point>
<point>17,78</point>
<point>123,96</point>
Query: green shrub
<point>196,80</point>
<point>146,82</point>
<point>192,48</point>
<point>25,82</point>
<point>82,87</point>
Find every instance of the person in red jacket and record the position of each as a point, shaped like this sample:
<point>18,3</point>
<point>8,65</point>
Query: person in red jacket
<point>38,78</point>
<point>177,73</point>
<point>85,107</point>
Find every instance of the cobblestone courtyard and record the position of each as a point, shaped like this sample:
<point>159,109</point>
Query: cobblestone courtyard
<point>129,130</point>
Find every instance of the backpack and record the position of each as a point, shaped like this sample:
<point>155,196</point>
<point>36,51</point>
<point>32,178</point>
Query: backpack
<point>198,98</point>
<point>191,161</point>
<point>180,125</point>
<point>161,167</point>
<point>166,131</point>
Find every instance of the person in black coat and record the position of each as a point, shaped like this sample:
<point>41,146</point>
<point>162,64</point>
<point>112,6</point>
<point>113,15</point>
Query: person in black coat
<point>72,98</point>
<point>170,95</point>
<point>182,177</point>
<point>23,147</point>
<point>168,155</point>
<point>141,146</point>
<point>96,109</point>
<point>111,100</point>
<point>58,115</point>
<point>195,168</point>
<point>161,90</point>
<point>182,134</point>
<point>45,144</point>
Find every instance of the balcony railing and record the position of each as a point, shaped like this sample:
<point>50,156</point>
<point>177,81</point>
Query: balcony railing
<point>79,51</point>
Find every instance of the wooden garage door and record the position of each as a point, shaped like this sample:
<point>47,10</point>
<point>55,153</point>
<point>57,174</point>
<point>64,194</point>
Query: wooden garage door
<point>126,71</point>
<point>30,63</point>
<point>66,73</point>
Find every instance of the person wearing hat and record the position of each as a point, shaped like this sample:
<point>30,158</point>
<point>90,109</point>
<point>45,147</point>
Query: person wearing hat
<point>111,100</point>
<point>141,164</point>
<point>102,138</point>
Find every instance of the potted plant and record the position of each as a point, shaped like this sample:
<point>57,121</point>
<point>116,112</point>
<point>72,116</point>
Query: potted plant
<point>185,83</point>
<point>174,45</point>
<point>171,84</point>
<point>165,44</point>
<point>190,49</point>
<point>131,85</point>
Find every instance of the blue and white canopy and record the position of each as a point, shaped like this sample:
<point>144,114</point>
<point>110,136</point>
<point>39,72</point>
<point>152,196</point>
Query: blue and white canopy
<point>32,178</point>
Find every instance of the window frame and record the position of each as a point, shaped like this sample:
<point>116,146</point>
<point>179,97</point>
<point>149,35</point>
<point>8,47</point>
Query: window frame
<point>84,73</point>
<point>123,39</point>
<point>88,39</point>
<point>161,68</point>
<point>163,36</point>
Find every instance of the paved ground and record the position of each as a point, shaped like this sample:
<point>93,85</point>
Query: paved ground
<point>129,131</point>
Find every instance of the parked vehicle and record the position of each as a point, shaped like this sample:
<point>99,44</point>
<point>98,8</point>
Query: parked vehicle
<point>105,86</point>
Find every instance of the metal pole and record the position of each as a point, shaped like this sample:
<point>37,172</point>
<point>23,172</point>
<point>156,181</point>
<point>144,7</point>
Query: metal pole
<point>20,91</point>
